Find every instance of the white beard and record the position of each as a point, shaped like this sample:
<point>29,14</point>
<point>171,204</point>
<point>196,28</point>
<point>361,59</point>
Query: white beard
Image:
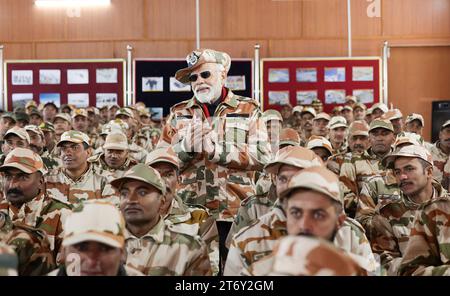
<point>210,96</point>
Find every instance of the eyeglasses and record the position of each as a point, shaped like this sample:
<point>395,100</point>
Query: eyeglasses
<point>204,75</point>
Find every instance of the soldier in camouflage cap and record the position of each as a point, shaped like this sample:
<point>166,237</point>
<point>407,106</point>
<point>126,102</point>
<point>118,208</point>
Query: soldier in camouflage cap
<point>347,113</point>
<point>320,125</point>
<point>273,121</point>
<point>15,137</point>
<point>62,124</point>
<point>396,118</point>
<point>37,144</point>
<point>390,225</point>
<point>151,244</point>
<point>94,242</point>
<point>414,123</point>
<point>338,134</point>
<point>359,111</point>
<point>115,159</point>
<point>77,180</point>
<point>355,171</point>
<point>26,200</point>
<point>441,155</point>
<point>406,138</point>
<point>321,147</point>
<point>7,121</point>
<point>36,117</point>
<point>378,110</point>
<point>80,120</point>
<point>289,137</point>
<point>308,114</point>
<point>48,129</point>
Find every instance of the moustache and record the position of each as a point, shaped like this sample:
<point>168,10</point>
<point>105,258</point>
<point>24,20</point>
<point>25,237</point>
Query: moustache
<point>14,191</point>
<point>358,146</point>
<point>403,183</point>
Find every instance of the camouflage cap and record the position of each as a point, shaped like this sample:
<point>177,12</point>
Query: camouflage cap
<point>337,121</point>
<point>125,112</point>
<point>359,105</point>
<point>347,107</point>
<point>381,106</point>
<point>64,116</point>
<point>95,220</point>
<point>36,112</point>
<point>298,109</point>
<point>309,110</point>
<point>31,103</point>
<point>381,123</point>
<point>144,173</point>
<point>337,109</point>
<point>369,111</point>
<point>199,57</point>
<point>18,131</point>
<point>22,116</point>
<point>117,141</point>
<point>447,123</point>
<point>163,154</point>
<point>408,138</point>
<point>25,160</point>
<point>271,114</point>
<point>414,116</point>
<point>322,115</point>
<point>113,106</point>
<point>289,136</point>
<point>47,126</point>
<point>9,115</point>
<point>297,156</point>
<point>319,142</point>
<point>93,110</point>
<point>35,129</point>
<point>114,125</point>
<point>413,151</point>
<point>351,99</point>
<point>319,179</point>
<point>392,114</point>
<point>74,137</point>
<point>358,128</point>
<point>144,112</point>
<point>80,112</point>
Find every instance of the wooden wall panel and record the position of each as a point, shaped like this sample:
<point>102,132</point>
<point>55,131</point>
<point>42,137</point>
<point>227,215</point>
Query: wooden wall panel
<point>18,51</point>
<point>74,50</point>
<point>154,49</point>
<point>237,48</point>
<point>363,25</point>
<point>307,48</point>
<point>324,18</point>
<point>418,76</point>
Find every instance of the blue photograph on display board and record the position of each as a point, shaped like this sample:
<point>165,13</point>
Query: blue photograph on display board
<point>54,98</point>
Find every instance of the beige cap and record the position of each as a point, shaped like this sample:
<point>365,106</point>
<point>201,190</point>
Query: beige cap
<point>163,154</point>
<point>289,136</point>
<point>319,179</point>
<point>358,128</point>
<point>322,115</point>
<point>319,142</point>
<point>144,173</point>
<point>117,141</point>
<point>18,131</point>
<point>408,138</point>
<point>271,115</point>
<point>381,123</point>
<point>298,109</point>
<point>414,116</point>
<point>74,137</point>
<point>360,105</point>
<point>293,155</point>
<point>25,160</point>
<point>351,98</point>
<point>64,116</point>
<point>447,123</point>
<point>337,121</point>
<point>80,112</point>
<point>309,110</point>
<point>347,107</point>
<point>414,151</point>
<point>381,106</point>
<point>35,129</point>
<point>392,114</point>
<point>95,220</point>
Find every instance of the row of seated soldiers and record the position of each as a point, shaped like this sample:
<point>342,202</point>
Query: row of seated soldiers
<point>378,181</point>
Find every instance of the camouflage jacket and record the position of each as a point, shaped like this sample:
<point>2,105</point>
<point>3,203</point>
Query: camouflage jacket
<point>257,241</point>
<point>391,227</point>
<point>50,161</point>
<point>91,185</point>
<point>138,153</point>
<point>439,160</point>
<point>334,162</point>
<point>164,252</point>
<point>306,256</point>
<point>8,261</point>
<point>31,246</point>
<point>376,189</point>
<point>428,252</point>
<point>354,173</point>
<point>100,166</point>
<point>222,180</point>
<point>42,212</point>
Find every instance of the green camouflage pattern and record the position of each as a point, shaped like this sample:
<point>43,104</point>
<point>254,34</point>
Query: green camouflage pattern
<point>99,165</point>
<point>440,160</point>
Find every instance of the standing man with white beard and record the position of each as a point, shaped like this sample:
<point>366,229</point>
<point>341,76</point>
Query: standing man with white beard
<point>219,139</point>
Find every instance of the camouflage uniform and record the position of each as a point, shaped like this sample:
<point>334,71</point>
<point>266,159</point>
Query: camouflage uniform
<point>163,251</point>
<point>440,159</point>
<point>257,241</point>
<point>427,252</point>
<point>221,182</point>
<point>306,256</point>
<point>334,162</point>
<point>8,261</point>
<point>51,162</point>
<point>100,166</point>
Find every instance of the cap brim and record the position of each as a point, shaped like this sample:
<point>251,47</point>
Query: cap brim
<point>96,237</point>
<point>70,141</point>
<point>119,181</point>
<point>17,166</point>
<point>366,134</point>
<point>388,161</point>
<point>338,125</point>
<point>383,127</point>
<point>182,75</point>
<point>289,142</point>
<point>115,147</point>
<point>288,191</point>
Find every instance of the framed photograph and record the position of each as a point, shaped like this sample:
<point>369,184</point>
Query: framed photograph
<point>79,100</point>
<point>107,75</point>
<point>20,100</point>
<point>306,75</point>
<point>156,113</point>
<point>22,77</point>
<point>49,76</point>
<point>278,97</point>
<point>235,82</point>
<point>335,96</point>
<point>177,86</point>
<point>362,73</point>
<point>78,76</point>
<point>105,99</point>
<point>279,75</point>
<point>55,98</point>
<point>152,84</point>
<point>335,74</point>
<point>365,96</point>
<point>306,97</point>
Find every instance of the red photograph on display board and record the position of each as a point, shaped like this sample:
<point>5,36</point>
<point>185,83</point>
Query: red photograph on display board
<point>299,81</point>
<point>79,82</point>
